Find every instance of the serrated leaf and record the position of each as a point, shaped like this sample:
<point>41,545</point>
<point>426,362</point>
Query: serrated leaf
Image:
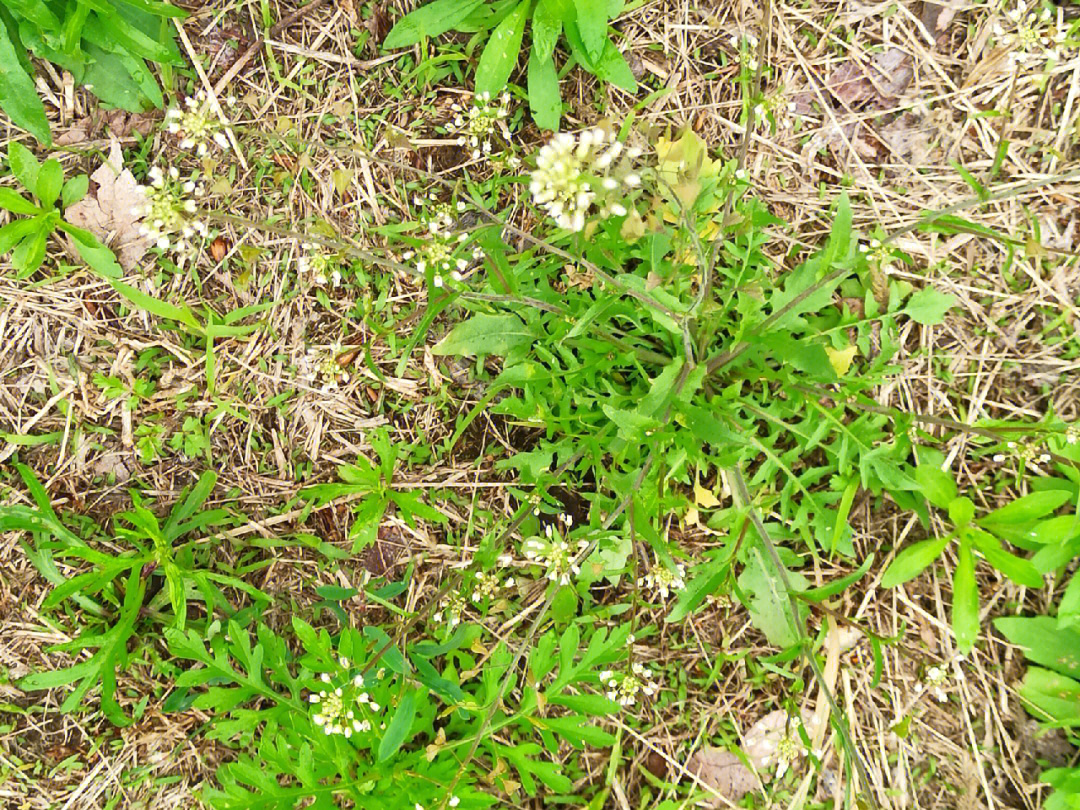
<point>928,306</point>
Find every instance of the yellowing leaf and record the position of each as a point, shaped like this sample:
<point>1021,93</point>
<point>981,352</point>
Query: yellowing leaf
<point>703,497</point>
<point>841,359</point>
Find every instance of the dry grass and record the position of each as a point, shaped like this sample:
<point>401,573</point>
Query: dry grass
<point>1010,352</point>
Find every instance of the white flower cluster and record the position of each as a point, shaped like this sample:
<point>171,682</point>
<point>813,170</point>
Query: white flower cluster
<point>624,687</point>
<point>788,749</point>
<point>327,369</point>
<point>1026,452</point>
<point>441,252</point>
<point>344,710</point>
<point>324,266</point>
<point>1072,434</point>
<point>481,122</point>
<point>197,124</point>
<point>1036,38</point>
<point>746,48</point>
<point>169,213</point>
<point>937,678</point>
<point>776,110</point>
<point>450,609</point>
<point>663,580</point>
<point>486,585</point>
<point>574,173</point>
<point>555,554</point>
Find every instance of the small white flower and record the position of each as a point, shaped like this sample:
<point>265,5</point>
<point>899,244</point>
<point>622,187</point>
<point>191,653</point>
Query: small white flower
<point>199,124</point>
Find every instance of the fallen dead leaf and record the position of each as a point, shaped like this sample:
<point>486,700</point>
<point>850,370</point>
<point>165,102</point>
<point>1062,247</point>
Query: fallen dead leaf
<point>108,211</point>
<point>877,85</point>
<point>218,249</point>
<point>725,773</point>
<point>909,138</point>
<point>116,122</point>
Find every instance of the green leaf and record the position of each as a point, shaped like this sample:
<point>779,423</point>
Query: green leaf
<point>577,731</point>
<point>428,21</point>
<point>705,580</point>
<point>93,252</point>
<point>546,27</point>
<point>592,23</point>
<point>74,190</point>
<point>501,53</point>
<point>910,562</point>
<point>965,609</point>
<point>837,585</point>
<point>596,705</point>
<point>1019,570</point>
<point>1028,508</point>
<point>18,96</point>
<point>485,334</point>
<point>14,232</point>
<point>928,306</point>
<point>50,181</point>
<point>936,485</point>
<point>13,201</point>
<point>24,166</point>
<point>1044,642</point>
<point>961,511</point>
<point>545,102</point>
<point>769,606</point>
<point>1053,696</point>
<point>30,253</point>
<point>612,67</point>
<point>399,726</point>
<point>112,80</point>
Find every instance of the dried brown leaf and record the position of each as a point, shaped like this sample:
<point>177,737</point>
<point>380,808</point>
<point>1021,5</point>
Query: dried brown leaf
<point>722,771</point>
<point>876,85</point>
<point>108,211</point>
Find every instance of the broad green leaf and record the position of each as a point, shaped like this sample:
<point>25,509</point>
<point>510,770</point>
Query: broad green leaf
<point>50,181</point>
<point>1044,642</point>
<point>928,306</point>
<point>93,252</point>
<point>910,562</point>
<point>1028,508</point>
<point>592,23</point>
<point>545,103</point>
<point>936,485</point>
<point>1069,606</point>
<point>24,166</point>
<point>13,201</point>
<point>961,511</point>
<point>74,190</point>
<point>577,731</point>
<point>501,52</point>
<point>485,334</point>
<point>428,21</point>
<point>965,608</point>
<point>398,729</point>
<point>1053,695</point>
<point>36,12</point>
<point>546,27</point>
<point>30,253</point>
<point>612,67</point>
<point>596,705</point>
<point>14,232</point>
<point>1019,570</point>
<point>110,77</point>
<point>769,606</point>
<point>18,96</point>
